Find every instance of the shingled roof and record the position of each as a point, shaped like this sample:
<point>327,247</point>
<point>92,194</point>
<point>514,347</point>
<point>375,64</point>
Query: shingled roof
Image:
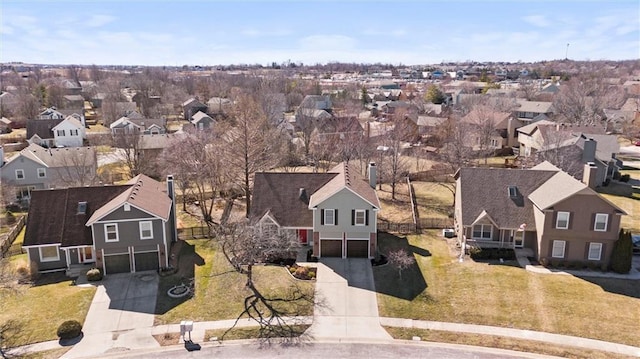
<point>288,197</point>
<point>54,217</point>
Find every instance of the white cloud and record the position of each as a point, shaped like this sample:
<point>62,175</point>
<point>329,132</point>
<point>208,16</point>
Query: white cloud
<point>537,20</point>
<point>265,33</point>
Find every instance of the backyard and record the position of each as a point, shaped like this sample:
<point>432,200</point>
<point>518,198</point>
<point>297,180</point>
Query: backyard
<point>439,288</point>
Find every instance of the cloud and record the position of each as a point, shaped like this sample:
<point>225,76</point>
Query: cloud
<point>99,20</point>
<point>385,32</point>
<point>537,20</point>
<point>265,33</point>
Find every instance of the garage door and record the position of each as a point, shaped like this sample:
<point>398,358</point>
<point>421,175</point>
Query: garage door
<point>330,248</point>
<point>357,249</point>
<point>117,264</point>
<point>146,261</point>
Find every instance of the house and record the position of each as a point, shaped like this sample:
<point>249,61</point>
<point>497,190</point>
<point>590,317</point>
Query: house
<point>6,125</point>
<point>218,105</point>
<point>334,212</point>
<point>530,111</point>
<point>53,113</point>
<point>73,101</point>
<point>428,124</point>
<point>36,167</point>
<point>137,124</point>
<point>543,209</point>
<point>501,124</point>
<point>56,132</point>
<point>202,121</point>
<point>545,134</point>
<point>191,107</point>
<point>119,229</point>
<point>69,133</point>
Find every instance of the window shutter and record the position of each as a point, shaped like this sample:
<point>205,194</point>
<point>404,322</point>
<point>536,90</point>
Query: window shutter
<point>322,217</point>
<point>366,217</point>
<point>353,217</point>
<point>335,217</point>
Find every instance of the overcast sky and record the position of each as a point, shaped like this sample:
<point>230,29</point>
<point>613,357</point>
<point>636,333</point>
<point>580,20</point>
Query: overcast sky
<point>249,32</point>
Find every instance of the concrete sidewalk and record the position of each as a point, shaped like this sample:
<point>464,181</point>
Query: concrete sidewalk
<point>346,303</point>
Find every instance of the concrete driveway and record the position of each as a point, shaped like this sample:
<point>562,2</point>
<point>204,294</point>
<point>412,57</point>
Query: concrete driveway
<point>120,316</point>
<point>346,304</point>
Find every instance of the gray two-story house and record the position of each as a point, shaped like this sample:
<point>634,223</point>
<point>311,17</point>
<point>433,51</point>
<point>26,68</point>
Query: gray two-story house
<point>334,212</point>
<point>125,228</point>
<point>35,167</point>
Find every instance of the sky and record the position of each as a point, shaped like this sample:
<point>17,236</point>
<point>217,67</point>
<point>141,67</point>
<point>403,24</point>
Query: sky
<point>176,33</point>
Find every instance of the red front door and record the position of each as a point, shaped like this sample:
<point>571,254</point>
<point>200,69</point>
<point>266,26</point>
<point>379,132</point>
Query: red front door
<point>302,235</point>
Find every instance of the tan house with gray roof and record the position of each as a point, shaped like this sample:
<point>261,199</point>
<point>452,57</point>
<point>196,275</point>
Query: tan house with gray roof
<point>334,212</point>
<point>544,209</point>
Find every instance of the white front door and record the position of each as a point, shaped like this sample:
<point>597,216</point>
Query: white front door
<point>518,239</point>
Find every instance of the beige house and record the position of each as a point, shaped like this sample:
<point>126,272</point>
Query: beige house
<point>544,209</point>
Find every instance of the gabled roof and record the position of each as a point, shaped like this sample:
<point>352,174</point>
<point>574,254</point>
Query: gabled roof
<point>54,218</point>
<point>279,195</point>
<point>534,106</point>
<point>57,157</point>
<point>556,189</point>
<point>70,119</point>
<point>339,125</point>
<point>192,102</point>
<point>346,178</point>
<point>532,127</point>
<point>42,127</point>
<point>143,193</point>
<point>199,116</point>
<point>486,190</point>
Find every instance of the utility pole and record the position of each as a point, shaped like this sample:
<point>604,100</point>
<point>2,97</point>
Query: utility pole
<point>566,53</point>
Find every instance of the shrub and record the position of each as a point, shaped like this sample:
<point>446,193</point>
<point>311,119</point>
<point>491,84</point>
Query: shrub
<point>544,261</point>
<point>292,269</point>
<point>555,263</point>
<point>311,274</point>
<point>593,265</point>
<point>69,329</point>
<point>10,218</point>
<point>301,272</point>
<point>625,177</point>
<point>94,274</point>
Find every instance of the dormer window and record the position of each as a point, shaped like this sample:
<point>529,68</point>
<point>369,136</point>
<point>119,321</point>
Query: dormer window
<point>513,191</point>
<point>82,207</point>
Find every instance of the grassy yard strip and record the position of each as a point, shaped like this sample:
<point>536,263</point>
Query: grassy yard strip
<point>246,333</point>
<point>49,354</point>
<point>439,288</point>
<point>434,200</point>
<point>220,291</point>
<point>40,309</point>
<point>398,210</point>
<point>494,341</point>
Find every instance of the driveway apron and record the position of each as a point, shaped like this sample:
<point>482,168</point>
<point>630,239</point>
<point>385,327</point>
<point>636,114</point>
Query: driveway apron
<point>346,306</point>
<point>120,317</point>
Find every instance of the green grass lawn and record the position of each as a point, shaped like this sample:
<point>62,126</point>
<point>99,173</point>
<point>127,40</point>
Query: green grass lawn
<point>38,310</point>
<point>441,289</point>
<point>220,291</point>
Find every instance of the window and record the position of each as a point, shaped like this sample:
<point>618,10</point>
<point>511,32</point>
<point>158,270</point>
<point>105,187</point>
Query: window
<point>146,230</point>
<point>82,207</point>
<point>42,172</point>
<point>494,142</point>
<point>562,221</point>
<point>111,232</point>
<point>595,250</point>
<point>329,217</point>
<point>60,133</point>
<point>49,254</point>
<point>127,207</point>
<point>513,191</point>
<point>600,224</point>
<point>19,174</point>
<point>558,249</point>
<point>360,217</point>
<point>73,132</point>
<point>482,231</point>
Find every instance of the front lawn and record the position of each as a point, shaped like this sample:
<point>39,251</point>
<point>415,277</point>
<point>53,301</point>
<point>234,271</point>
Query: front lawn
<point>220,291</point>
<point>440,288</point>
<point>38,310</point>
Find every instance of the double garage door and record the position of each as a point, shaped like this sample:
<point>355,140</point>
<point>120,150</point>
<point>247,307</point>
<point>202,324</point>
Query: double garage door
<point>333,248</point>
<point>121,263</point>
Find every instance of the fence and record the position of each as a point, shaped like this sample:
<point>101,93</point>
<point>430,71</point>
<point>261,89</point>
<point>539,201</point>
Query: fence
<point>439,175</point>
<point>6,243</point>
<point>425,223</point>
<point>194,232</point>
<point>397,227</point>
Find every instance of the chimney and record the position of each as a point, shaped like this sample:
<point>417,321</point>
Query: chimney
<point>589,150</point>
<point>590,174</point>
<point>173,221</point>
<point>373,174</point>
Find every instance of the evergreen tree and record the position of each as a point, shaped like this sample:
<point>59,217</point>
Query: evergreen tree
<point>622,254</point>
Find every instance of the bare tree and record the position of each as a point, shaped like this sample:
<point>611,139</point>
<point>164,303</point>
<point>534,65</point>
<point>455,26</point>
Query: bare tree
<point>252,144</point>
<point>582,100</point>
<point>74,72</point>
<point>9,330</point>
<point>195,160</point>
<point>401,134</point>
<point>77,169</point>
<point>401,260</point>
<point>130,148</point>
<point>244,247</point>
